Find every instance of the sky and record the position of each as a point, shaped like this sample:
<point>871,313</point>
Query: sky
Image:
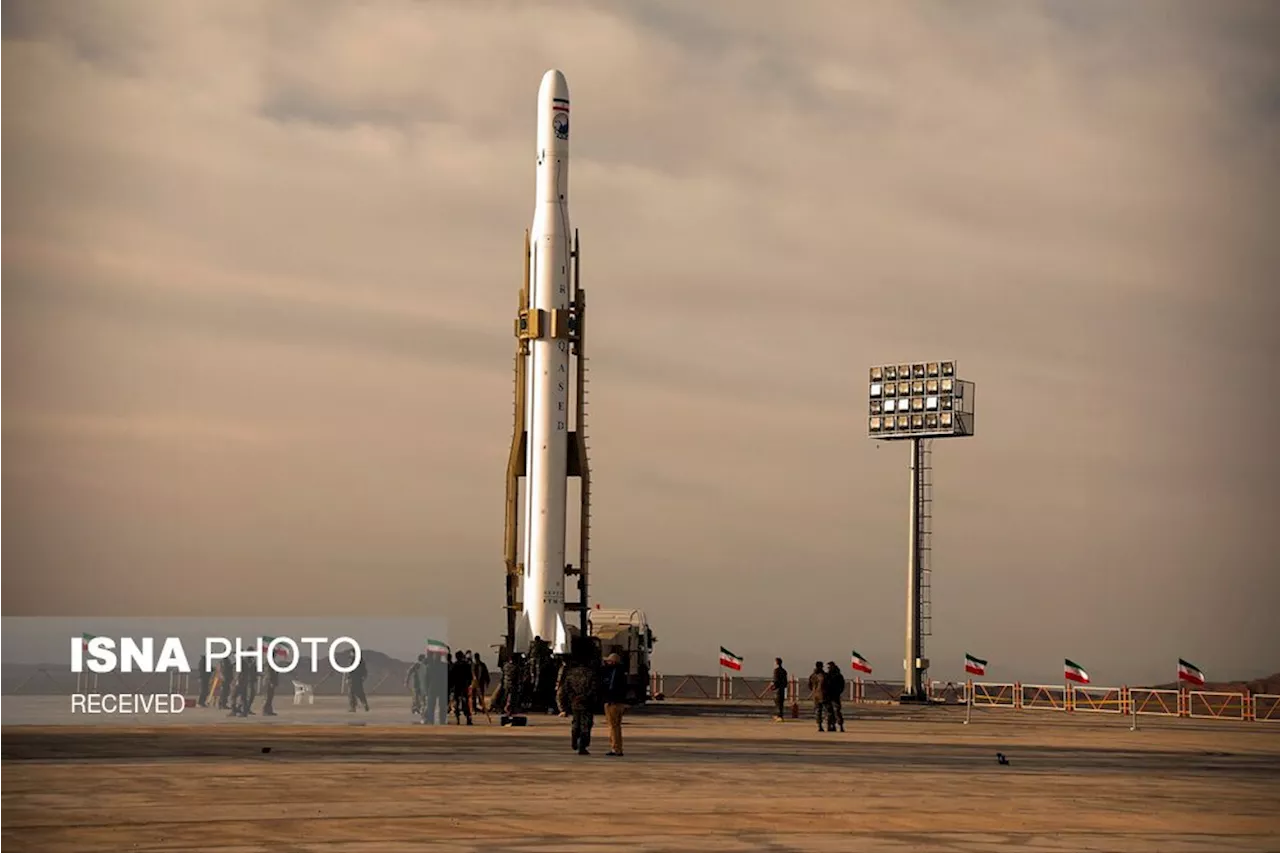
<point>261,263</point>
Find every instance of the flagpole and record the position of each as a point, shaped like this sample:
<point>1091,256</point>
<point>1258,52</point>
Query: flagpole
<point>968,700</point>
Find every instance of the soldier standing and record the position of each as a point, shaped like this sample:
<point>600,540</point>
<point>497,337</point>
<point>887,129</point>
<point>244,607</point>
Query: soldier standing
<point>434,682</point>
<point>832,691</point>
<point>816,679</point>
<point>413,680</point>
<point>513,684</point>
<point>205,675</point>
<point>241,700</point>
<point>355,686</point>
<point>779,687</point>
<point>226,675</point>
<point>460,684</point>
<point>271,680</point>
<point>576,694</point>
<point>479,684</point>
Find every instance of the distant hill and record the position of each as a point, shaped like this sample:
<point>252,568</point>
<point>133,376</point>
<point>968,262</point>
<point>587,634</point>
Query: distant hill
<point>1269,684</point>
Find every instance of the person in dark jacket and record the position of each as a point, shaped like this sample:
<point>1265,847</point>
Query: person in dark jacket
<point>479,685</point>
<point>816,679</point>
<point>270,681</point>
<point>434,687</point>
<point>576,694</point>
<point>206,674</point>
<point>832,692</point>
<point>460,687</point>
<point>613,688</point>
<point>779,687</point>
<point>226,677</point>
<point>355,685</point>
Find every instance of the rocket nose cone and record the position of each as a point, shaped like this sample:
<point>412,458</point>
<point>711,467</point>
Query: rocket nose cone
<point>553,86</point>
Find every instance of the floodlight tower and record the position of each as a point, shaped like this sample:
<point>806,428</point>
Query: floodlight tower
<point>919,402</point>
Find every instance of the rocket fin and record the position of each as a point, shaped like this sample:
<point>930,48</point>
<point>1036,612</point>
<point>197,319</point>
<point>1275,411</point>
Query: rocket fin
<point>524,633</point>
<point>562,636</point>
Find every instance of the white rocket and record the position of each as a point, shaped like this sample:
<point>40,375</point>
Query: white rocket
<point>547,375</point>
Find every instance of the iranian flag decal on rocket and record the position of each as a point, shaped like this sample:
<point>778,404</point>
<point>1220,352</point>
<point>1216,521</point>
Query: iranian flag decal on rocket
<point>1073,671</point>
<point>729,660</point>
<point>84,640</point>
<point>858,662</point>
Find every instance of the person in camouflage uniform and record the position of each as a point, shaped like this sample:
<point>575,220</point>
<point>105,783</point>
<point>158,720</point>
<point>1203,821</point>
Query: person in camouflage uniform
<point>414,681</point>
<point>479,685</point>
<point>816,680</point>
<point>577,691</point>
<point>433,682</point>
<point>270,680</point>
<point>241,697</point>
<point>513,684</point>
<point>226,676</point>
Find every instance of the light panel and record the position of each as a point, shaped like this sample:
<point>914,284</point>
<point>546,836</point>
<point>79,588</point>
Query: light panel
<point>921,399</point>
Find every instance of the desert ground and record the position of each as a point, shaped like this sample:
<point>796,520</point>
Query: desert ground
<point>896,780</point>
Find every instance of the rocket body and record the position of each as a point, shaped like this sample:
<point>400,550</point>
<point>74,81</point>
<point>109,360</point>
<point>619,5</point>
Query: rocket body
<point>547,374</point>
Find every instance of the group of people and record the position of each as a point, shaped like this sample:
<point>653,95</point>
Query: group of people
<point>826,688</point>
<point>583,685</point>
<point>235,691</point>
<point>441,686</point>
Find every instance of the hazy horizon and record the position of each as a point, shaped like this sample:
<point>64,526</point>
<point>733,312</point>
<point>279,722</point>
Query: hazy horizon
<point>261,263</point>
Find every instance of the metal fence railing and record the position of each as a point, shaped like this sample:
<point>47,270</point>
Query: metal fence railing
<point>1065,698</point>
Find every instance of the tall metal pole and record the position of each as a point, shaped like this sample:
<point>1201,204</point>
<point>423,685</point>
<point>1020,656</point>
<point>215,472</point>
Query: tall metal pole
<point>911,688</point>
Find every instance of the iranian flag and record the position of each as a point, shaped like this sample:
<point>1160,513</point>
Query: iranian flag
<point>1075,672</point>
<point>1188,671</point>
<point>729,659</point>
<point>436,647</point>
<point>974,666</point>
<point>84,640</point>
<point>282,652</point>
<point>858,662</point>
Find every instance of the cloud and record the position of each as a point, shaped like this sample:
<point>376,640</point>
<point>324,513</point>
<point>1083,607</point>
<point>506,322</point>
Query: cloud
<point>262,260</point>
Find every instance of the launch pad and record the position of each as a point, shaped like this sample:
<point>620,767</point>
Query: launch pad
<point>569,327</point>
